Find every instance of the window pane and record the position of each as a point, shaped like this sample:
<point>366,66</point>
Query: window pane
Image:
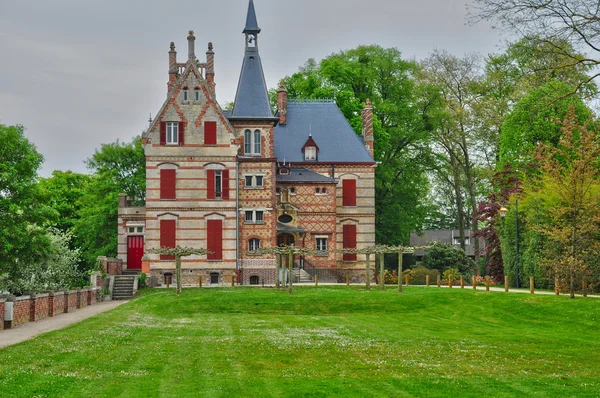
<point>247,142</point>
<point>324,190</point>
<point>218,184</point>
<point>131,230</point>
<point>197,92</point>
<point>259,216</point>
<point>249,215</point>
<point>172,136</point>
<point>259,181</point>
<point>140,229</point>
<point>248,181</point>
<point>185,95</point>
<point>257,142</point>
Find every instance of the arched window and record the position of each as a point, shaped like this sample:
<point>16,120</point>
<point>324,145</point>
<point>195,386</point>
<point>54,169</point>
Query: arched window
<point>197,94</point>
<point>252,145</point>
<point>185,94</point>
<point>253,244</point>
<point>254,280</point>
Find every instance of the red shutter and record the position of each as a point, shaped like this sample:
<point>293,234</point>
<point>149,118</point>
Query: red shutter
<point>181,133</point>
<point>168,183</point>
<point>348,192</point>
<point>214,239</point>
<point>210,184</point>
<point>210,133</point>
<point>225,179</point>
<point>163,133</point>
<point>349,241</point>
<point>168,236</point>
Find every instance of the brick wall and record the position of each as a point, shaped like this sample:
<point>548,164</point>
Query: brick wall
<point>39,307</point>
<point>56,303</point>
<point>22,310</point>
<point>83,297</point>
<point>71,300</point>
<point>2,301</point>
<point>266,276</point>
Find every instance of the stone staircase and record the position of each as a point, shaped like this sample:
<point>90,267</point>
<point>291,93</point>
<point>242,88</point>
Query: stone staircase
<point>301,276</point>
<point>123,286</point>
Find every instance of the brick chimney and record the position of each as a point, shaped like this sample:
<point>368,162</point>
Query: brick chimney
<point>367,127</point>
<point>172,67</point>
<point>191,47</point>
<point>210,69</point>
<point>282,102</point>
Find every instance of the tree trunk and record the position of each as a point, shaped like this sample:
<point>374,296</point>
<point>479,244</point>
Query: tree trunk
<point>178,273</point>
<point>460,207</point>
<point>368,273</point>
<point>277,268</point>
<point>471,188</point>
<point>399,272</point>
<point>291,263</point>
<point>381,271</point>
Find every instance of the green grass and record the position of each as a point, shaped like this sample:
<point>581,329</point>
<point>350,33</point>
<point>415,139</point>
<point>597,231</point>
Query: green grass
<point>326,341</point>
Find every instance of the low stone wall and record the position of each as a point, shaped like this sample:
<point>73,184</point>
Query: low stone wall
<point>36,307</point>
<point>39,307</point>
<point>22,310</point>
<point>111,266</point>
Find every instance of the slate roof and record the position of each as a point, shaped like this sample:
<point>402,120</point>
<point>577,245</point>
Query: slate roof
<point>330,130</point>
<point>251,99</point>
<point>251,22</point>
<point>304,175</point>
<point>290,229</point>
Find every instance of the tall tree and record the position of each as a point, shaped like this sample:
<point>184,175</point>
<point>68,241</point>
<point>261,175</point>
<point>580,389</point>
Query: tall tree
<point>551,22</point>
<point>401,134</point>
<point>570,187</point>
<point>118,168</point>
<point>23,205</point>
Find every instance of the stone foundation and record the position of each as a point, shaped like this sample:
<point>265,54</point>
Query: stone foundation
<point>191,277</point>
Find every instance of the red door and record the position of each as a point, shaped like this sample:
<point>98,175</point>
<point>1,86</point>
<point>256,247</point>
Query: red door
<point>135,251</point>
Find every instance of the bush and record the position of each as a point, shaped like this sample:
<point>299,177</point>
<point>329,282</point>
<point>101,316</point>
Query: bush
<point>390,278</point>
<point>142,281</point>
<point>442,256</point>
<point>418,276</point>
<point>451,274</point>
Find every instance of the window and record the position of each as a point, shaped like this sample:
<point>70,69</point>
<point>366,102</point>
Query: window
<point>292,191</point>
<point>321,246</point>
<point>323,191</point>
<point>168,237</point>
<point>310,153</point>
<point>197,94</point>
<point>252,144</point>
<point>253,244</point>
<point>217,184</point>
<point>349,241</point>
<point>278,191</point>
<point>185,95</point>
<point>168,183</point>
<point>253,181</point>
<point>140,229</point>
<point>254,280</point>
<point>210,133</point>
<point>133,230</point>
<point>318,191</point>
<point>172,133</point>
<point>457,240</point>
<point>214,239</point>
<point>254,216</point>
<point>348,192</point>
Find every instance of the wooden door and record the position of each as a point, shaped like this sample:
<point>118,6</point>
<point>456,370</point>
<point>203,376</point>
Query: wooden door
<point>135,251</point>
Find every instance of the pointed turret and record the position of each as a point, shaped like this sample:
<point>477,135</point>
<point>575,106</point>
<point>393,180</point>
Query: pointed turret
<point>252,99</point>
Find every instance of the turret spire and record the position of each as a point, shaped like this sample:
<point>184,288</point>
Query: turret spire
<point>251,23</point>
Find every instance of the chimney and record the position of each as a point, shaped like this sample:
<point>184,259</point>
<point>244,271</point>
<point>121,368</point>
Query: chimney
<point>191,46</point>
<point>122,200</point>
<point>282,101</point>
<point>367,127</point>
<point>210,69</point>
<point>173,71</point>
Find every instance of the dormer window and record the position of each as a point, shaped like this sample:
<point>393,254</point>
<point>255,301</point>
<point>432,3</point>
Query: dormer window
<point>310,149</point>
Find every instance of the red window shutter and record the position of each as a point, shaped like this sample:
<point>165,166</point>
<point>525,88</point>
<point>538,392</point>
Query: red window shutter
<point>349,241</point>
<point>168,183</point>
<point>348,192</point>
<point>210,133</point>
<point>214,239</point>
<point>225,179</point>
<point>210,184</point>
<point>168,236</point>
<point>181,133</point>
<point>163,133</point>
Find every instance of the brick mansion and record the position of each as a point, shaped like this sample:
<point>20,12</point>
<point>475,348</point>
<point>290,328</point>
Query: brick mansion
<point>256,176</point>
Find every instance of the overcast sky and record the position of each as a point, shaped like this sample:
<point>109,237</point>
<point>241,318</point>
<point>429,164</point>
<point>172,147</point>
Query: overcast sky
<point>79,73</point>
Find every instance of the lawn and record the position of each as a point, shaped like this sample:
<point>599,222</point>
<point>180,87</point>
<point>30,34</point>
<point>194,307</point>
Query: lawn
<point>326,341</point>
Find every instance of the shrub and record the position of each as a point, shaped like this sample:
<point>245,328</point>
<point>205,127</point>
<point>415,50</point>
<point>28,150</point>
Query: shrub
<point>418,275</point>
<point>142,281</point>
<point>390,278</point>
<point>442,256</point>
<point>451,273</point>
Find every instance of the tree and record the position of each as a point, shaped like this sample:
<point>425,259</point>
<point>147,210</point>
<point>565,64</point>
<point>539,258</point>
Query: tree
<point>400,129</point>
<point>65,190</point>
<point>443,256</point>
<point>23,209</point>
<point>551,22</point>
<point>570,188</point>
<point>118,168</point>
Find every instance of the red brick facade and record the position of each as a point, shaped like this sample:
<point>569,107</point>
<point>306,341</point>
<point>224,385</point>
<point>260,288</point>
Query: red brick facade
<point>22,310</point>
<point>39,307</point>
